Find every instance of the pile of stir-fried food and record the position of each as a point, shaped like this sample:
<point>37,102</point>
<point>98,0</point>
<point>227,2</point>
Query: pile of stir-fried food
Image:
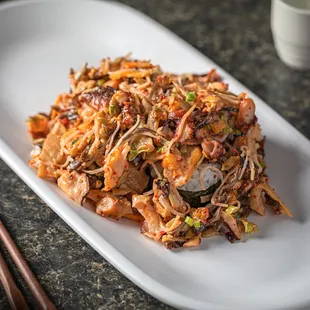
<point>178,153</point>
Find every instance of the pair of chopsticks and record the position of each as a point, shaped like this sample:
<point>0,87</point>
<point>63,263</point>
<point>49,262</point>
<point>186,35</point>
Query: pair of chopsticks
<point>15,297</point>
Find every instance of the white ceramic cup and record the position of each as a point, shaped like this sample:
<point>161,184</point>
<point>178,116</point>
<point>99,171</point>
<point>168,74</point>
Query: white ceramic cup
<point>290,26</point>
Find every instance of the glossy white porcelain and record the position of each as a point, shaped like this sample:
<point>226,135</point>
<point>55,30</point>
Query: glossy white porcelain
<point>290,25</point>
<point>39,42</point>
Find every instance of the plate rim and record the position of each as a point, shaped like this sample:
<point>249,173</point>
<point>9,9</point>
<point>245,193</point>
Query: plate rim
<point>80,226</point>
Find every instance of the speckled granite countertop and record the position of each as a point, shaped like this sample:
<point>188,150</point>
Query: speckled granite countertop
<point>236,35</point>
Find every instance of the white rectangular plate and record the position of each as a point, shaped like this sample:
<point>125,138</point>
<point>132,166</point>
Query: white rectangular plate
<point>40,41</point>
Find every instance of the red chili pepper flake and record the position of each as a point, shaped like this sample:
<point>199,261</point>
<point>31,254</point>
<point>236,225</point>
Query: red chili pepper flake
<point>235,152</point>
<point>114,173</point>
<point>64,121</point>
<point>214,176</point>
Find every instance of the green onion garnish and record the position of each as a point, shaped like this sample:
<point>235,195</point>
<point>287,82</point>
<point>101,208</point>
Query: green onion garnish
<point>101,81</point>
<point>249,227</point>
<point>227,130</point>
<point>74,141</point>
<point>132,154</point>
<point>231,209</point>
<point>189,221</point>
<point>197,224</point>
<point>114,109</point>
<point>190,96</point>
<point>159,150</point>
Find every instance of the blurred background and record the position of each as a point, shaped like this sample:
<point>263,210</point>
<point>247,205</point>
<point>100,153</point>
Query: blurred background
<point>234,34</point>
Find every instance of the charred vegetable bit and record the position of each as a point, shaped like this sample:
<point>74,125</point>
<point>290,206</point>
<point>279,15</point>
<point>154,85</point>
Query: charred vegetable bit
<point>178,154</point>
<point>164,186</point>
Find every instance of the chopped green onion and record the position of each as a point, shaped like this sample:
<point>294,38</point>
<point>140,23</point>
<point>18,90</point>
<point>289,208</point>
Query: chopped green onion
<point>189,221</point>
<point>159,150</point>
<point>237,132</point>
<point>197,224</point>
<point>74,141</point>
<point>208,126</point>
<point>132,154</point>
<point>101,82</point>
<point>262,164</point>
<point>231,209</point>
<point>227,130</point>
<point>114,109</point>
<point>190,96</point>
<point>249,227</point>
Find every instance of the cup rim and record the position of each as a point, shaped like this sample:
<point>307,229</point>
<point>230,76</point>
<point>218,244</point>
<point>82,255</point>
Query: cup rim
<point>293,8</point>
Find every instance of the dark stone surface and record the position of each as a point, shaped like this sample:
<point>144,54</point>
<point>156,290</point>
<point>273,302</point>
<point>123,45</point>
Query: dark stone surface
<point>236,35</point>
